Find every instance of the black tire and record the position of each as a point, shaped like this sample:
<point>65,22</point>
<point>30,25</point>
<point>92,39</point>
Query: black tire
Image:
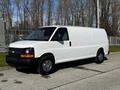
<point>46,65</point>
<point>99,57</point>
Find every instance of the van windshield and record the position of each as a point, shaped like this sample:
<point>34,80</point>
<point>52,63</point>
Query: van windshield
<point>41,34</point>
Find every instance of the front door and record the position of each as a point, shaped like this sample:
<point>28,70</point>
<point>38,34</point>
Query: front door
<point>61,45</point>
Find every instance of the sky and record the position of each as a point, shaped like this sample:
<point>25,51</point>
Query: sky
<point>54,4</point>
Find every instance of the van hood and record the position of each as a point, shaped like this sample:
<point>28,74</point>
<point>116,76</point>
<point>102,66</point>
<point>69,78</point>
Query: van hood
<point>24,44</point>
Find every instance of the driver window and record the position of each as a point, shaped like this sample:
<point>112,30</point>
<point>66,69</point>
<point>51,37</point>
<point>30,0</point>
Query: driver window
<point>61,35</point>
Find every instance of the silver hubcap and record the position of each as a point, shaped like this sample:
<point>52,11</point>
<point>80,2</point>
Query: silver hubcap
<point>100,57</point>
<point>47,65</point>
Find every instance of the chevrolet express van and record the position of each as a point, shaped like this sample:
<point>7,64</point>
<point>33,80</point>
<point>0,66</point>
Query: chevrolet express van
<point>50,45</point>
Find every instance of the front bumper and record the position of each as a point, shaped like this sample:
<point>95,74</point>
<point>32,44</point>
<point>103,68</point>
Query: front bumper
<point>21,62</point>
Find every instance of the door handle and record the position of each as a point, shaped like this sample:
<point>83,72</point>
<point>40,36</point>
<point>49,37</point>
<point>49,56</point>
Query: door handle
<point>70,43</point>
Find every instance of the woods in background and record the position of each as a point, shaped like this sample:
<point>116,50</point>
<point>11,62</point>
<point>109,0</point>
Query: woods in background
<point>27,14</point>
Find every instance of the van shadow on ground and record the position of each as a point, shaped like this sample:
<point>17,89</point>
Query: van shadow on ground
<point>61,66</point>
<point>73,64</point>
<point>77,63</point>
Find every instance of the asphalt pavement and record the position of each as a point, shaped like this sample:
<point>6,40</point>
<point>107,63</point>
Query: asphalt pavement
<point>79,75</point>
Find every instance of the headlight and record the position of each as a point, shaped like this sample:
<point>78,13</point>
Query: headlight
<point>28,53</point>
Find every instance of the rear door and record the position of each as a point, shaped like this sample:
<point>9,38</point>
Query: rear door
<point>61,45</point>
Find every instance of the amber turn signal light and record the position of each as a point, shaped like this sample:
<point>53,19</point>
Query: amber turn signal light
<point>26,56</point>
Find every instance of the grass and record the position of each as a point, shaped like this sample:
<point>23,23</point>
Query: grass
<point>114,48</point>
<point>2,59</point>
<point>3,62</point>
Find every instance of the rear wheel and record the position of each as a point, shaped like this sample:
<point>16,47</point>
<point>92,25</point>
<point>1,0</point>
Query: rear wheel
<point>99,57</point>
<point>46,65</point>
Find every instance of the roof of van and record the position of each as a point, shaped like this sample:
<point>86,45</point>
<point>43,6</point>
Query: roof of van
<point>71,26</point>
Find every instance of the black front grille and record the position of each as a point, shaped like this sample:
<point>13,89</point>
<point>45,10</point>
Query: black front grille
<point>15,52</point>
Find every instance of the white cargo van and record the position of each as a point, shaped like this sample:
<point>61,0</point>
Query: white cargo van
<point>50,45</point>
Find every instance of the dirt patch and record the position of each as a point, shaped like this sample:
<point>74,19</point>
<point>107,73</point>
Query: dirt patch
<point>17,82</point>
<point>4,80</point>
<point>46,76</point>
<point>1,74</point>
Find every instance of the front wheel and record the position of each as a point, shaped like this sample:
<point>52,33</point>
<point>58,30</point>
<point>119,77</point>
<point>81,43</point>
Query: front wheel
<point>99,57</point>
<point>46,65</point>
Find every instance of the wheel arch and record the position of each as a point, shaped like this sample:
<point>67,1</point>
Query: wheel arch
<point>48,54</point>
<point>101,50</point>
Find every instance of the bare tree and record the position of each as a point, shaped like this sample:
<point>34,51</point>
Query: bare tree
<point>49,12</point>
<point>7,11</point>
<point>115,18</point>
<point>105,15</point>
<point>35,13</point>
<point>41,12</point>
